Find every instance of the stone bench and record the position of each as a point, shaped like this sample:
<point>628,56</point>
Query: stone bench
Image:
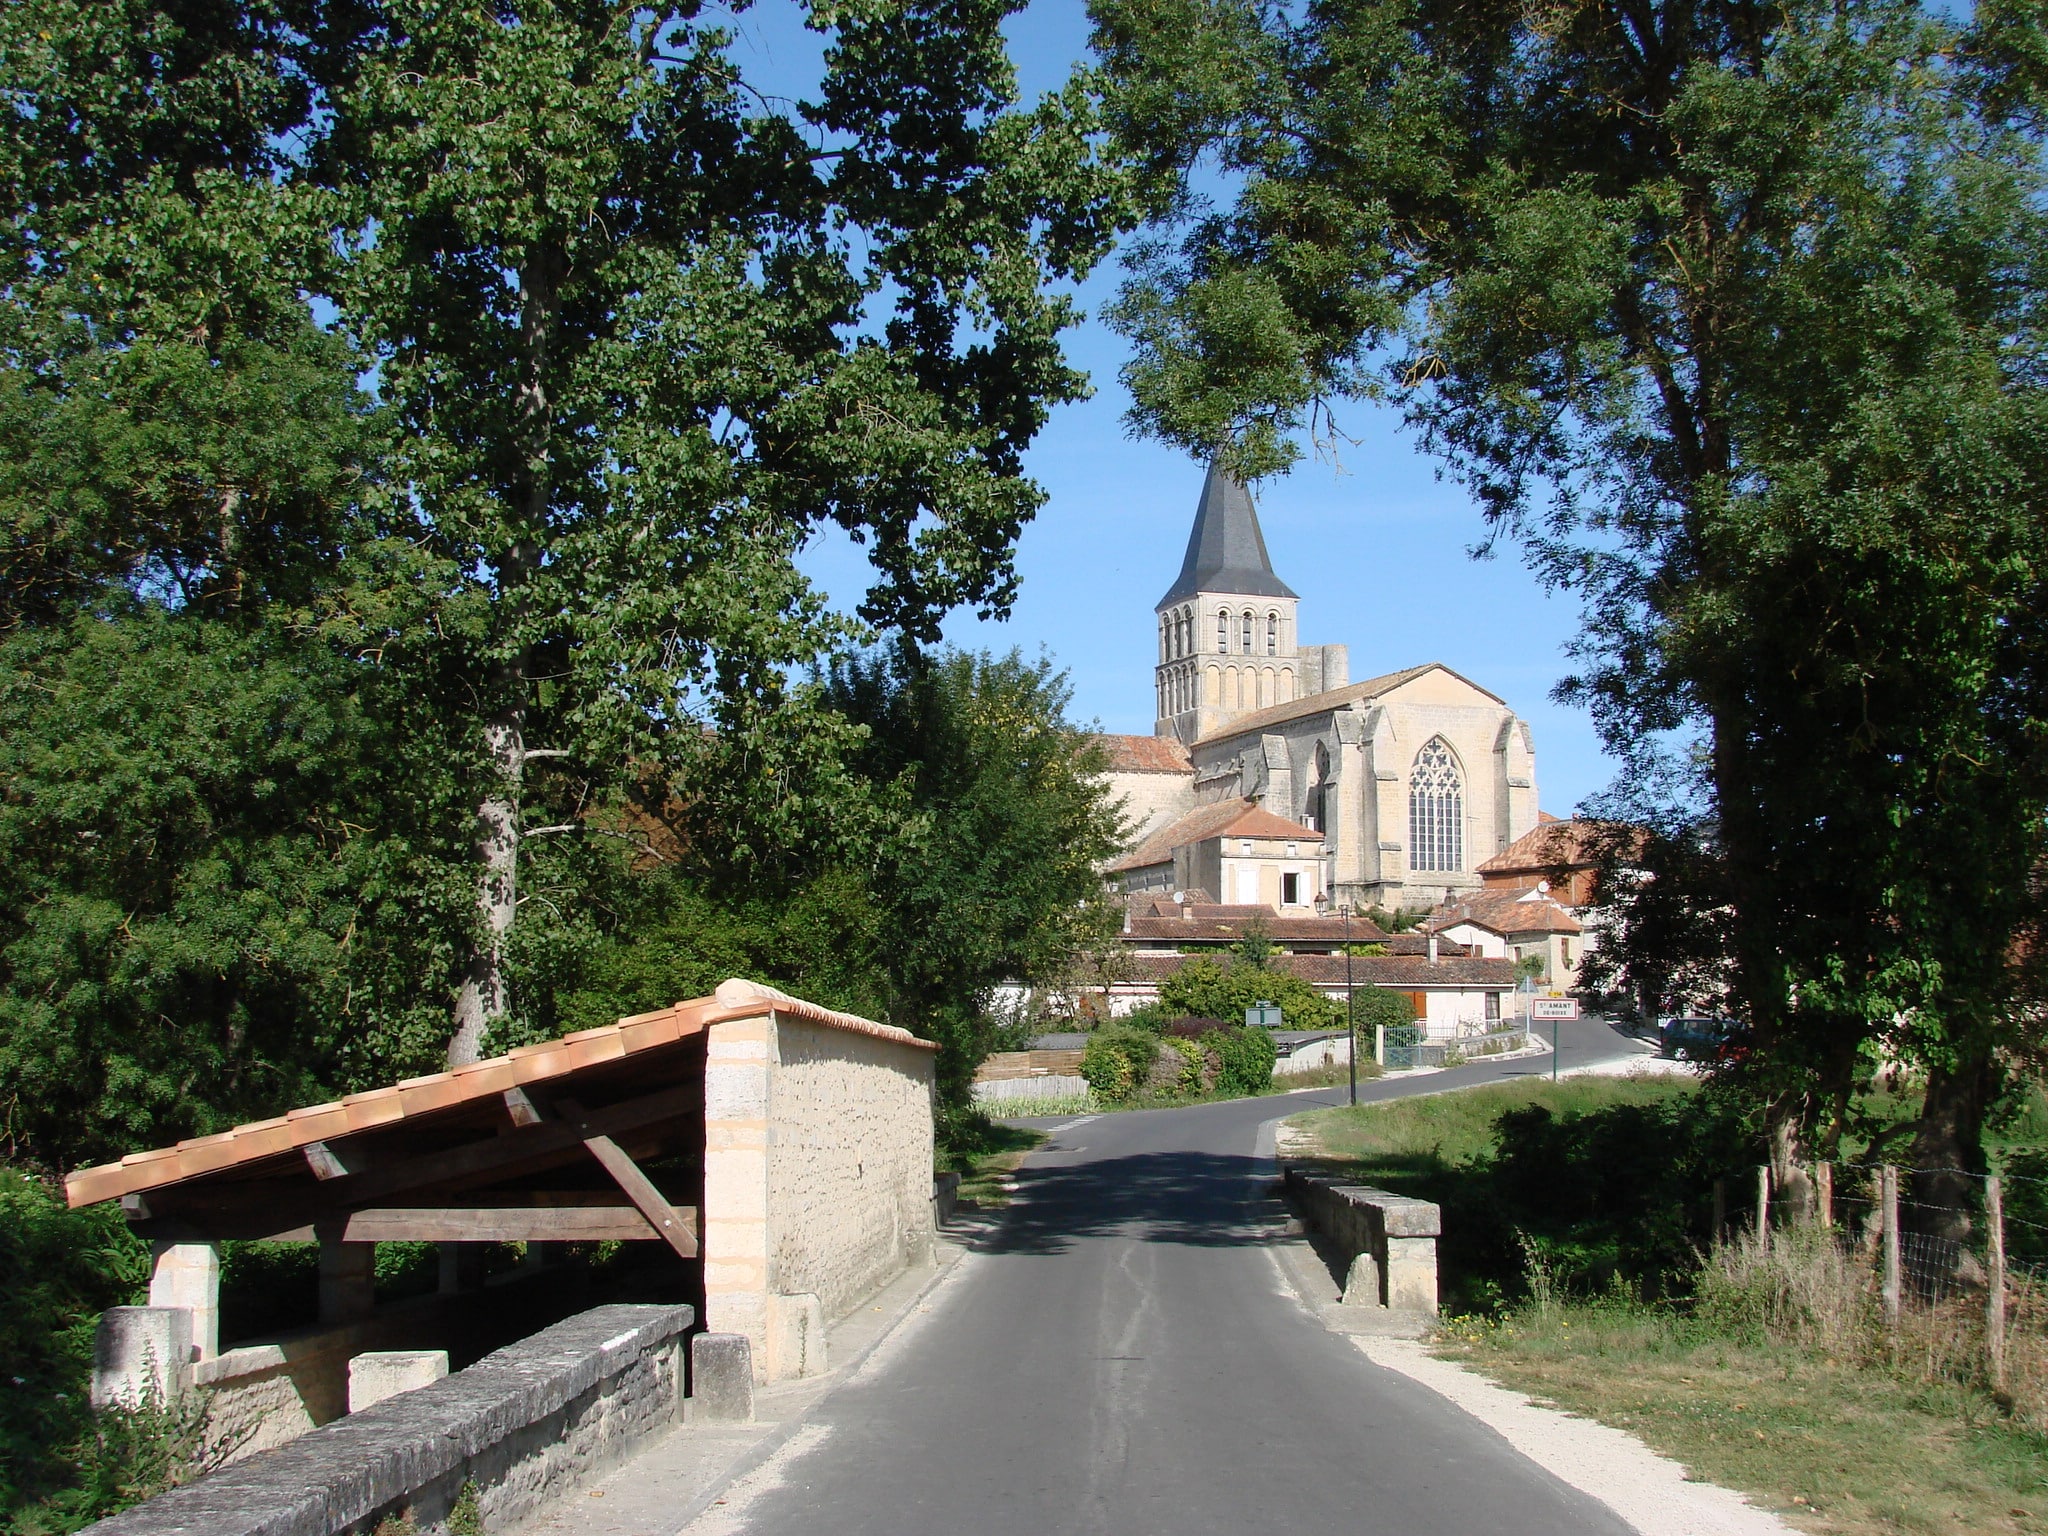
<point>1387,1241</point>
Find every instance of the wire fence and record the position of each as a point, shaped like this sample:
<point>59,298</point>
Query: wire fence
<point>1948,1269</point>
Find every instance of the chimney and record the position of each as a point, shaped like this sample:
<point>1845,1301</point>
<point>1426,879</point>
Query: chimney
<point>1432,946</point>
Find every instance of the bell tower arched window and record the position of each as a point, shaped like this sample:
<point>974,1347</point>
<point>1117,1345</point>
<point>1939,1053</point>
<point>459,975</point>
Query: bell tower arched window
<point>1247,636</point>
<point>1223,632</point>
<point>1272,634</point>
<point>1436,810</point>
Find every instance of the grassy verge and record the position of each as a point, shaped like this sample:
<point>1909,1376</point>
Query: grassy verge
<point>986,1159</point>
<point>1835,1445</point>
<point>1762,1369</point>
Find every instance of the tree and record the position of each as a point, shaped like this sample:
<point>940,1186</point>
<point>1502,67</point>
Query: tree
<point>643,332</point>
<point>1730,314</point>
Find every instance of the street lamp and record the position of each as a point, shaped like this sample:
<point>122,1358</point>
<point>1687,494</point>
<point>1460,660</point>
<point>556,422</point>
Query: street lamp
<point>1350,1011</point>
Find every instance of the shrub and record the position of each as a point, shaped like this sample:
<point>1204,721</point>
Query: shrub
<point>1192,1061</point>
<point>1245,1060</point>
<point>1203,988</point>
<point>59,1269</point>
<point>1194,1029</point>
<point>1373,1006</point>
<point>1118,1062</point>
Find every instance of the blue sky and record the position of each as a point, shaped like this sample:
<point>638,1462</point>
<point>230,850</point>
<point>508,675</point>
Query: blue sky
<point>1378,551</point>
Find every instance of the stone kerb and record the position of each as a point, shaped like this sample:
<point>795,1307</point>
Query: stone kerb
<point>522,1425</point>
<point>1388,1241</point>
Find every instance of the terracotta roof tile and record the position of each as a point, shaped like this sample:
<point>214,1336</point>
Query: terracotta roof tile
<point>443,1090</point>
<point>1225,818</point>
<point>1146,754</point>
<point>1557,844</point>
<point>1505,911</point>
<point>1334,698</point>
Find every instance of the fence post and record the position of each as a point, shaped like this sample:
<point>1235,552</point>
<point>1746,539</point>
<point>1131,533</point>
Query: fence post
<point>1888,1198</point>
<point>1994,1306</point>
<point>1379,1044</point>
<point>1763,1208</point>
<point>1720,1208</point>
<point>1824,1192</point>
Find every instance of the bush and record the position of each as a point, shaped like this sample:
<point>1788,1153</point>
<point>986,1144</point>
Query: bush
<point>1245,1058</point>
<point>1118,1062</point>
<point>1193,1060</point>
<point>1194,1029</point>
<point>1203,988</point>
<point>1375,1006</point>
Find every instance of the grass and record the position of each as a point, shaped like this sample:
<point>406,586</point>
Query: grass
<point>1407,1138</point>
<point>986,1165</point>
<point>1764,1370</point>
<point>1834,1445</point>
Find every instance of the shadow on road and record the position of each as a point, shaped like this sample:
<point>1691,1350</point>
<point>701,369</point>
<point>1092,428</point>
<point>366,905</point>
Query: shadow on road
<point>1194,1199</point>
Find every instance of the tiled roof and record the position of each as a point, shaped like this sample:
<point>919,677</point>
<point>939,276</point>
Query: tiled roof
<point>1334,698</point>
<point>1208,924</point>
<point>642,1034</point>
<point>1556,844</point>
<point>1146,754</point>
<point>1399,971</point>
<point>1506,911</point>
<point>1226,818</point>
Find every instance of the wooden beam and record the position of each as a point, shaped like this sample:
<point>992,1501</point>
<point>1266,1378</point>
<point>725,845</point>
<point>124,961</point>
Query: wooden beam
<point>521,1107</point>
<point>325,1162</point>
<point>264,1210</point>
<point>679,1230</point>
<point>503,1224</point>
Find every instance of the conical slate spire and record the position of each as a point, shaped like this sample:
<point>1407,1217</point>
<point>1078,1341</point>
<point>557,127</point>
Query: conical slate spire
<point>1226,551</point>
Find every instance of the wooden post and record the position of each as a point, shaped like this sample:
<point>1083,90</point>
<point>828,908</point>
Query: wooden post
<point>1763,1208</point>
<point>1720,1208</point>
<point>1888,1215</point>
<point>1994,1306</point>
<point>1824,1192</point>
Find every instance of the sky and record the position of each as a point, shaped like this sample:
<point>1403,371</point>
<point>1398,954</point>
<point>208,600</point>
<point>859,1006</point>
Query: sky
<point>1378,547</point>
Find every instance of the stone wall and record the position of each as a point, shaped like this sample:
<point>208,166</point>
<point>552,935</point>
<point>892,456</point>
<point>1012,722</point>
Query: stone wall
<point>817,1170</point>
<point>524,1425</point>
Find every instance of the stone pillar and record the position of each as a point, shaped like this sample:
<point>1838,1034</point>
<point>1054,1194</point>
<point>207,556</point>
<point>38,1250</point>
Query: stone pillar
<point>380,1373</point>
<point>721,1379</point>
<point>141,1356</point>
<point>348,1279</point>
<point>188,1275</point>
<point>735,1216</point>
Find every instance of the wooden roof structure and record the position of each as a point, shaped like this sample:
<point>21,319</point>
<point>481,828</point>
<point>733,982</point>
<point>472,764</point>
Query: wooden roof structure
<point>544,1143</point>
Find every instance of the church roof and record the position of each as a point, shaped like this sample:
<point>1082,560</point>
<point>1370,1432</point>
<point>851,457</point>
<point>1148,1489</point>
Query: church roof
<point>1146,754</point>
<point>1226,550</point>
<point>1334,698</point>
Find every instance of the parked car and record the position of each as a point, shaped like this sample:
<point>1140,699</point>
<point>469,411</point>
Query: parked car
<point>1694,1037</point>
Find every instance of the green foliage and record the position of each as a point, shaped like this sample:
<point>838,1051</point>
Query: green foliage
<point>1118,1062</point>
<point>1733,320</point>
<point>59,1269</point>
<point>1373,1006</point>
<point>1205,989</point>
<point>1245,1060</point>
<point>1193,1058</point>
<point>465,1516</point>
<point>1599,1179</point>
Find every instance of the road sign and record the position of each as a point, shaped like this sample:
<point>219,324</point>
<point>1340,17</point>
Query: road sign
<point>1553,1007</point>
<point>1266,1015</point>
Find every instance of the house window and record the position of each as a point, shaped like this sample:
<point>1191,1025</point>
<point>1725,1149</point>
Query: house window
<point>1436,810</point>
<point>1247,634</point>
<point>1564,951</point>
<point>1493,1007</point>
<point>1290,890</point>
<point>1272,634</point>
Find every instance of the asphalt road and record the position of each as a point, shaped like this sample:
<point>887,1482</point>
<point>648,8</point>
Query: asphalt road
<point>1124,1356</point>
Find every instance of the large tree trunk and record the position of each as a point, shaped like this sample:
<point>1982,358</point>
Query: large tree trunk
<point>484,997</point>
<point>1948,1155</point>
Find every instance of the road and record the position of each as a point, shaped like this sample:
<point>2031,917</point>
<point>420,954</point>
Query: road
<point>1124,1356</point>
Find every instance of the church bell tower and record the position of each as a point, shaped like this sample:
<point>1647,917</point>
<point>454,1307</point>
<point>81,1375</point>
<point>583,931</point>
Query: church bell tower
<point>1227,644</point>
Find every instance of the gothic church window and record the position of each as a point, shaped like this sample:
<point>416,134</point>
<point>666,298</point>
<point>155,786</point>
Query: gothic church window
<point>1436,810</point>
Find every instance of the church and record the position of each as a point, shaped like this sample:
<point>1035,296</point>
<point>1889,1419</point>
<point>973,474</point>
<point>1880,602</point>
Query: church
<point>1271,778</point>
